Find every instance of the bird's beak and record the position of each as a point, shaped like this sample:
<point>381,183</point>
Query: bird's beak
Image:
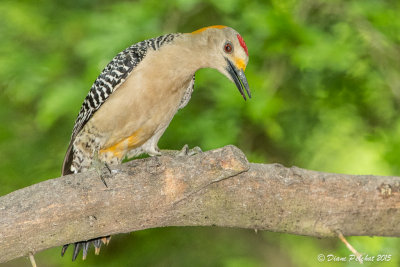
<point>239,78</point>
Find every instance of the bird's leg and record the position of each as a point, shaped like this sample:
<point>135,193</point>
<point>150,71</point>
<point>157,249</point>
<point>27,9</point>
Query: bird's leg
<point>102,168</point>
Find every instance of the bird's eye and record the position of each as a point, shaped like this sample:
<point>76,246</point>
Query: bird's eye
<point>228,47</point>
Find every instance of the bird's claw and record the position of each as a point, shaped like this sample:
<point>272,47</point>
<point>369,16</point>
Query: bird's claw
<point>106,240</point>
<point>85,250</point>
<point>185,151</point>
<point>97,246</point>
<point>105,173</point>
<point>195,150</point>
<point>84,246</point>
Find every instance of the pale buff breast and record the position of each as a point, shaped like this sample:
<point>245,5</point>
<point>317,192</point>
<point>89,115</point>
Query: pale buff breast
<point>146,101</point>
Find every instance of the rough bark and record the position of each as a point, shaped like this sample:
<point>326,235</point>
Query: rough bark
<point>217,187</point>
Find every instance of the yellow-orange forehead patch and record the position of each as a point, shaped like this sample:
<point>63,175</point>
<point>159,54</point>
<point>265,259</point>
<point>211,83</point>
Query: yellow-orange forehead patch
<point>240,63</point>
<point>209,27</point>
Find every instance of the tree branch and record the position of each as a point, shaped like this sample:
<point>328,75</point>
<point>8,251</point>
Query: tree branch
<point>217,187</point>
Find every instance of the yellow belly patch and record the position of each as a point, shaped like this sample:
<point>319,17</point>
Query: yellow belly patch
<point>209,27</point>
<point>122,147</point>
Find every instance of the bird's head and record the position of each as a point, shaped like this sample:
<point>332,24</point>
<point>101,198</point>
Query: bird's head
<point>229,54</point>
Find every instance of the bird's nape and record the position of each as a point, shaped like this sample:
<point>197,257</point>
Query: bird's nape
<point>239,78</point>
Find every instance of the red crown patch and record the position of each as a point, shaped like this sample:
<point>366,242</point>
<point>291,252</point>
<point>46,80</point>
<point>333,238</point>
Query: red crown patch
<point>243,44</point>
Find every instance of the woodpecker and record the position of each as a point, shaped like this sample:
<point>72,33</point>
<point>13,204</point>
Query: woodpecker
<point>135,97</point>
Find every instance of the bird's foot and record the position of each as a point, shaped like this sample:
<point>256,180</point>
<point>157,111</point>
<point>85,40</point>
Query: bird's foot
<point>84,246</point>
<point>185,151</point>
<point>154,151</point>
<point>105,173</point>
<point>103,169</point>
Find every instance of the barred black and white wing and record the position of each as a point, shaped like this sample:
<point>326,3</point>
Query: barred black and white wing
<point>188,94</point>
<point>113,75</point>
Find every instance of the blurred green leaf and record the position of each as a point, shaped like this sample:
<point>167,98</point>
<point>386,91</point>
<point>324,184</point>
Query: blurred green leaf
<point>325,80</point>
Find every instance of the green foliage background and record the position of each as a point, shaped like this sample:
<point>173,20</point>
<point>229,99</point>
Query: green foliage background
<point>326,93</point>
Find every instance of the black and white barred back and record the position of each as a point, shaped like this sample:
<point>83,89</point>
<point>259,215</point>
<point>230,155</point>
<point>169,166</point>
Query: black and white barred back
<point>112,76</point>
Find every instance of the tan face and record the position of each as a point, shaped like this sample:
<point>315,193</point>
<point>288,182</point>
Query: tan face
<point>235,48</point>
<point>229,54</point>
